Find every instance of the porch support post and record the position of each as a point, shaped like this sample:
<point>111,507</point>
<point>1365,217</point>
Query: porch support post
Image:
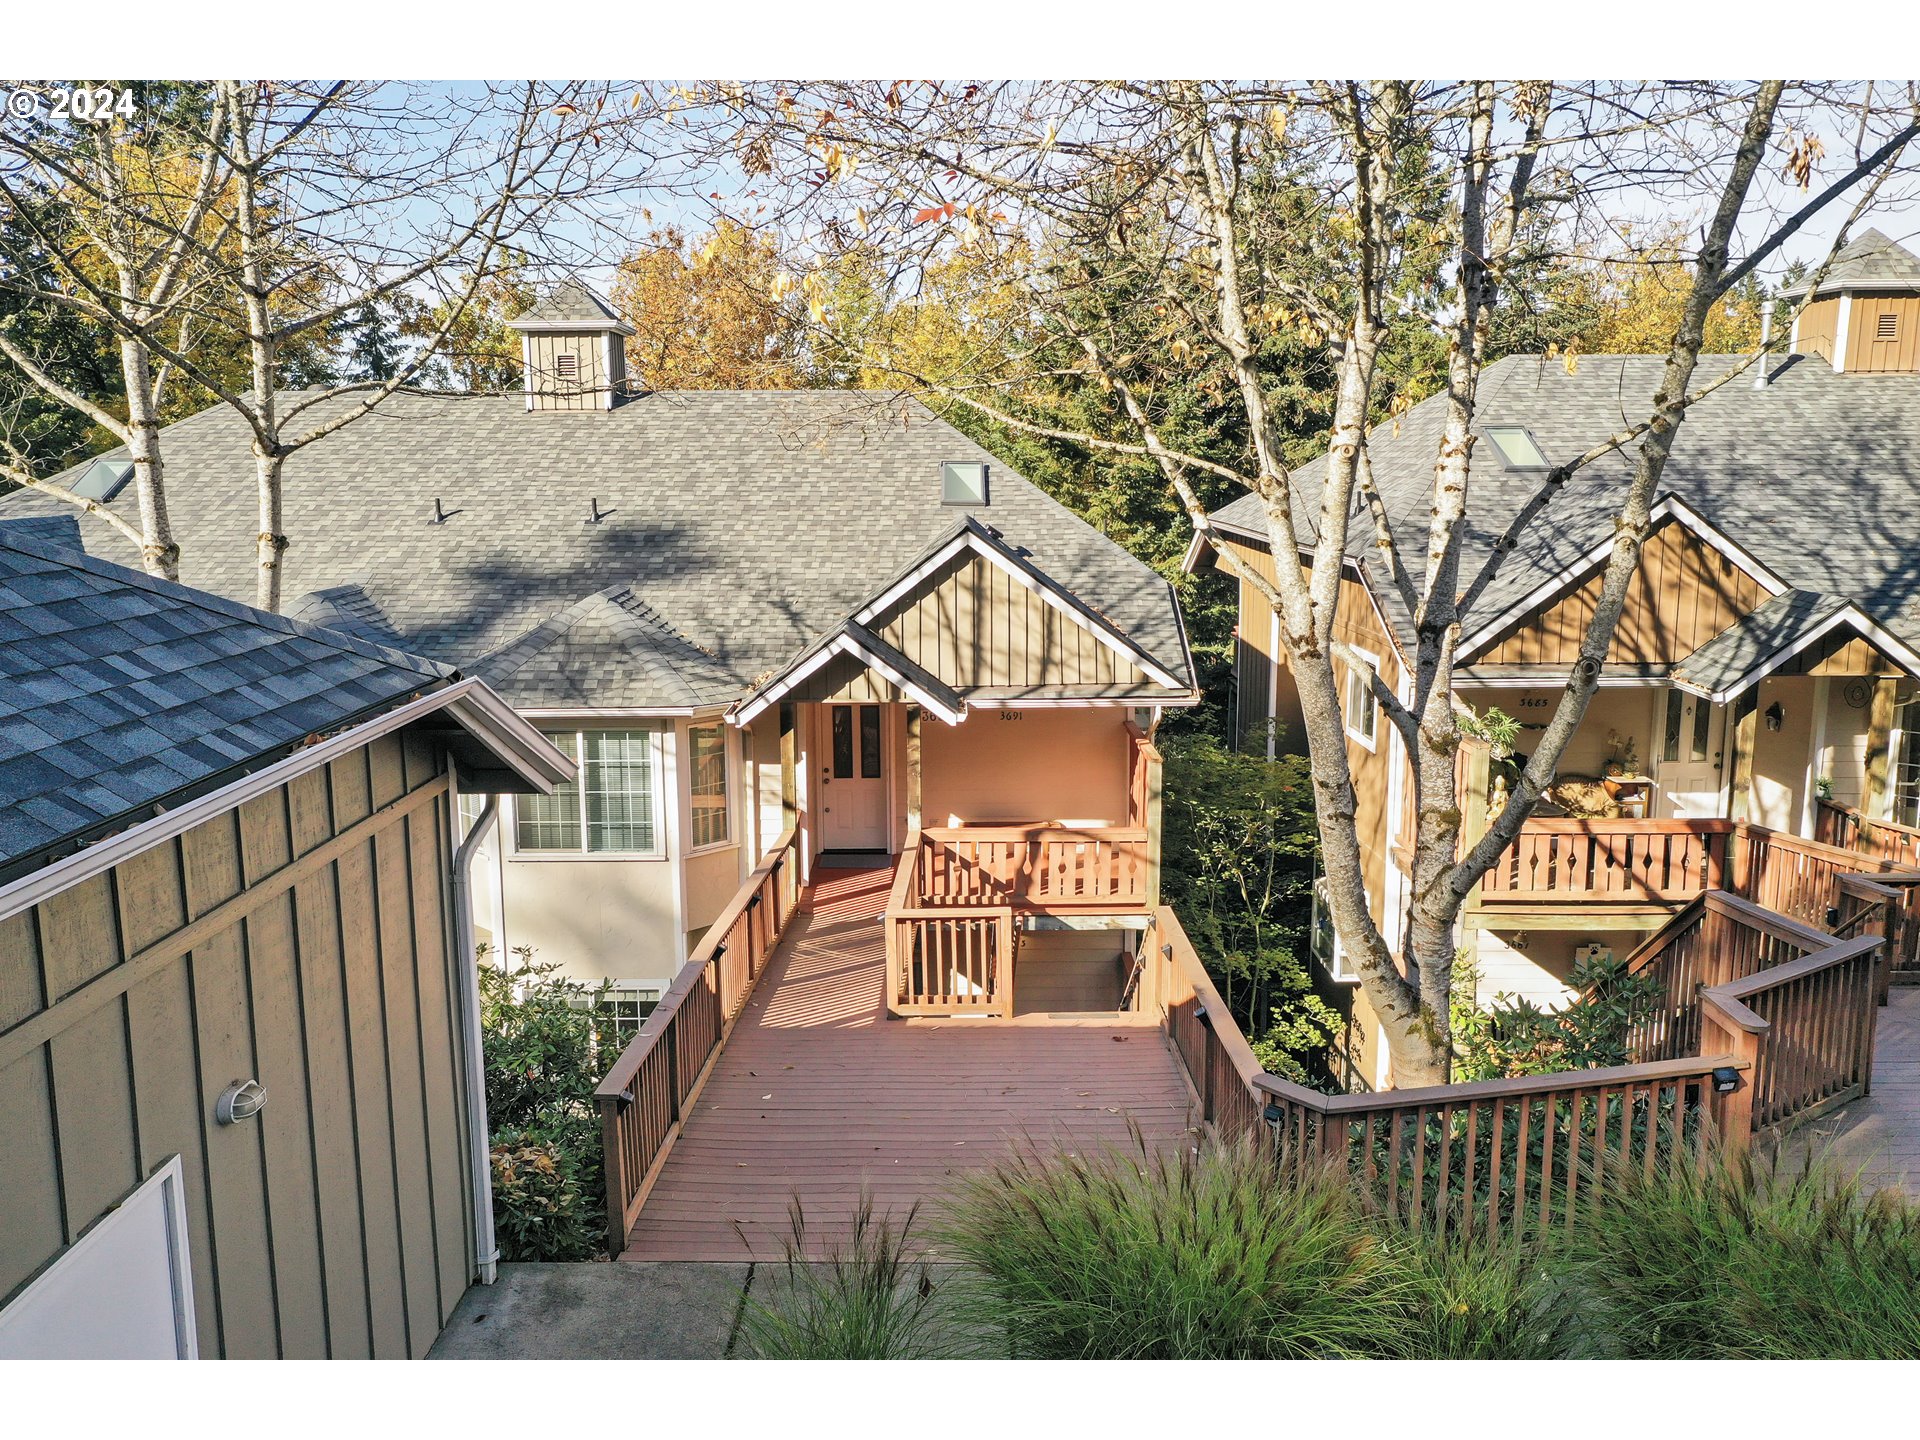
<point>913,768</point>
<point>1154,766</point>
<point>1744,710</point>
<point>1879,747</point>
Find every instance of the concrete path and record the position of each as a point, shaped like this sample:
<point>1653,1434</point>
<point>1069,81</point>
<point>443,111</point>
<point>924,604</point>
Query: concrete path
<point>1880,1135</point>
<point>597,1312</point>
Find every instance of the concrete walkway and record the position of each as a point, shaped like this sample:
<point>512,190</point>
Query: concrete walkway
<point>597,1312</point>
<point>1880,1135</point>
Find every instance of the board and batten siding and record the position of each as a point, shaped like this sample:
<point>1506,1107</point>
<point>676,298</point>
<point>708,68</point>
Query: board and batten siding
<point>1883,333</point>
<point>1684,593</point>
<point>591,385</point>
<point>1258,698</point>
<point>303,939</point>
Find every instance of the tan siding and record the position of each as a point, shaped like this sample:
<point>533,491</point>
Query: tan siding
<point>288,971</point>
<point>1684,594</point>
<point>550,391</point>
<point>1357,623</point>
<point>1870,355</point>
<point>1819,323</point>
<point>974,624</point>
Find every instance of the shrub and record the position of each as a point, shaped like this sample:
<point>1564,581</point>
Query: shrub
<point>544,1046</point>
<point>1513,1037</point>
<point>1145,1254</point>
<point>541,1209</point>
<point>1743,1258</point>
<point>1477,1301</point>
<point>866,1300</point>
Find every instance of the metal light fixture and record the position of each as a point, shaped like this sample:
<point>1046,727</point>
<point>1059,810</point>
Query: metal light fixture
<point>1273,1114</point>
<point>241,1100</point>
<point>1200,1014</point>
<point>1726,1080</point>
<point>1776,716</point>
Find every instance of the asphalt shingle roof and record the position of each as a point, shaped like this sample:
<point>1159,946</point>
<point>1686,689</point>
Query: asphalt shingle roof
<point>1871,261</point>
<point>1817,476</point>
<point>742,524</point>
<point>1756,637</point>
<point>118,690</point>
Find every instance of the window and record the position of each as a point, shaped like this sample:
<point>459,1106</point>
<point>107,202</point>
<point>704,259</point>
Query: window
<point>1363,706</point>
<point>963,484</point>
<point>1887,327</point>
<point>567,367</point>
<point>627,1006</point>
<point>1904,793</point>
<point>104,480</point>
<point>1327,948</point>
<point>707,782</point>
<point>611,808</point>
<point>1517,447</point>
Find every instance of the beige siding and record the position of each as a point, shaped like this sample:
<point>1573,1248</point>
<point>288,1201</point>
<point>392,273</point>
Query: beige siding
<point>974,624</point>
<point>1819,323</point>
<point>1684,593</point>
<point>587,389</point>
<point>304,940</point>
<point>845,678</point>
<point>1899,353</point>
<point>1011,766</point>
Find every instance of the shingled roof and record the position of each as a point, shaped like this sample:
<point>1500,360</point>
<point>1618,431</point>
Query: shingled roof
<point>119,691</point>
<point>1815,476</point>
<point>743,525</point>
<point>571,307</point>
<point>1872,261</point>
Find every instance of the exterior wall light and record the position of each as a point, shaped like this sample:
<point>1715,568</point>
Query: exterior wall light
<point>1273,1114</point>
<point>1200,1014</point>
<point>1726,1080</point>
<point>242,1100</point>
<point>1776,716</point>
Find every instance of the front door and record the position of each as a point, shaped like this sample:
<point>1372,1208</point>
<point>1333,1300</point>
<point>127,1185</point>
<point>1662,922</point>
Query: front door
<point>1692,738</point>
<point>853,790</point>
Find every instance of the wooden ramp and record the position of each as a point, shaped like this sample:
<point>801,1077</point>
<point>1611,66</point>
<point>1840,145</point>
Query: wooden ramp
<point>818,1093</point>
<point>1879,1135</point>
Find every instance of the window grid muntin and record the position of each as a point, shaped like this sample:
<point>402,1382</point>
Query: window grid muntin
<point>707,784</point>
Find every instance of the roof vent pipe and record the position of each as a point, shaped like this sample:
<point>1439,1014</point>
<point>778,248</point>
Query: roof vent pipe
<point>1766,340</point>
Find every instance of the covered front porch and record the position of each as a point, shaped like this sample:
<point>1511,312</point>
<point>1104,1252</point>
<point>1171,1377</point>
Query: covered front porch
<point>818,1096</point>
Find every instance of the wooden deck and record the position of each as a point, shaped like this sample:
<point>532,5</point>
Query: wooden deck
<point>1879,1136</point>
<point>818,1093</point>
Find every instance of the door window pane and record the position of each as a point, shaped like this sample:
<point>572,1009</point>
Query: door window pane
<point>707,770</point>
<point>1670,742</point>
<point>619,790</point>
<point>869,742</point>
<point>1702,720</point>
<point>551,822</point>
<point>843,742</point>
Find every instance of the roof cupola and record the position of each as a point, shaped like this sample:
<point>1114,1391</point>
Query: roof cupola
<point>573,351</point>
<point>1864,317</point>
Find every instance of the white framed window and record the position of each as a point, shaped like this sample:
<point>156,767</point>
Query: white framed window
<point>611,808</point>
<point>707,785</point>
<point>1362,706</point>
<point>627,1003</point>
<point>1327,948</point>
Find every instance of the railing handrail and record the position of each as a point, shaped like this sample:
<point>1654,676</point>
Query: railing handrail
<point>1034,830</point>
<point>1623,825</point>
<point>1514,1087</point>
<point>1768,922</point>
<point>614,1087</point>
<point>1860,817</point>
<point>1166,924</point>
<point>1731,996</point>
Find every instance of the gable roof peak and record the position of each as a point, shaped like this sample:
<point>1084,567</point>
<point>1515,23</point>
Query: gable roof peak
<point>1870,261</point>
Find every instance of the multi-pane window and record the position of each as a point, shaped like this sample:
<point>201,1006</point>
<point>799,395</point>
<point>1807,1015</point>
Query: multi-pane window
<point>611,808</point>
<point>1904,792</point>
<point>626,1008</point>
<point>707,783</point>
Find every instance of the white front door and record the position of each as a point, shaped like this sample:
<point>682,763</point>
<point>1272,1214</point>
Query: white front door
<point>1692,739</point>
<point>122,1291</point>
<point>853,779</point>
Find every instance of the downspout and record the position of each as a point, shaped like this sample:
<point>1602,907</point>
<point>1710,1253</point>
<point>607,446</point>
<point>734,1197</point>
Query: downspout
<point>486,1246</point>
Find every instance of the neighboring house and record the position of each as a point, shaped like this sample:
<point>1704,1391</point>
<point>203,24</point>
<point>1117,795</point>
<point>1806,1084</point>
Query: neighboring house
<point>1761,686</point>
<point>239,1112</point>
<point>738,611</point>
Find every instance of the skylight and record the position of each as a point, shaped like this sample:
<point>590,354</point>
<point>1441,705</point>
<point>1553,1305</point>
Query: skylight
<point>963,484</point>
<point>1517,447</point>
<point>103,480</point>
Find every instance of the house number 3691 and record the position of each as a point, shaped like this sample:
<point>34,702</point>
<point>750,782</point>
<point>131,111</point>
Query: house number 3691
<point>1012,715</point>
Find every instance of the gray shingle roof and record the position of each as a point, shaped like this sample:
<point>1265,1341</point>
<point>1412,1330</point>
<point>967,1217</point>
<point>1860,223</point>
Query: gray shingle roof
<point>1817,476</point>
<point>1756,637</point>
<point>1871,261</point>
<point>749,523</point>
<point>609,650</point>
<point>572,306</point>
<point>118,690</point>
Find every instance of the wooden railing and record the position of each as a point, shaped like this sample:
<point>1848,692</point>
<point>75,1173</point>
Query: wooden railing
<point>1763,1023</point>
<point>653,1084</point>
<point>1791,876</point>
<point>1039,868</point>
<point>1610,860</point>
<point>949,952</point>
<point>1850,829</point>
